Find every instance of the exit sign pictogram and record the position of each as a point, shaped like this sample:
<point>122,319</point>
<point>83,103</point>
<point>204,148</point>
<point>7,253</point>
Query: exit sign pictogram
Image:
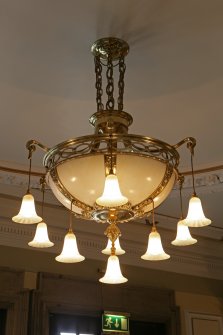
<point>115,323</point>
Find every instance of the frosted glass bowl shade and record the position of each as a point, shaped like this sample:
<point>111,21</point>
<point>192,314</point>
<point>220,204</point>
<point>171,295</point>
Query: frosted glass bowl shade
<point>83,178</point>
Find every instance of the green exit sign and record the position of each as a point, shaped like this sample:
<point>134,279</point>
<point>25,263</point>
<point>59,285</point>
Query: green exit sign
<point>115,323</point>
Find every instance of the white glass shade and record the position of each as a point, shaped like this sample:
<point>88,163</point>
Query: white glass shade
<point>183,237</point>
<point>112,195</point>
<point>70,253</point>
<point>113,273</point>
<point>118,249</point>
<point>27,213</point>
<point>155,250</point>
<point>41,238</point>
<point>195,216</point>
<point>87,184</point>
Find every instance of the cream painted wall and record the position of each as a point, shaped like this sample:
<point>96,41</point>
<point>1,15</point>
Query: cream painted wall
<point>196,303</point>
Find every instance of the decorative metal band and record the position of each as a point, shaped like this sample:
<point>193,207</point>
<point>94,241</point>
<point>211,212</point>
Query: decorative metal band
<point>127,206</point>
<point>122,144</point>
<point>110,47</point>
<point>113,116</point>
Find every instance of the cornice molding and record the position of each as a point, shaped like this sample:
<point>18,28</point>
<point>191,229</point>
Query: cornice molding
<point>206,181</point>
<point>204,264</point>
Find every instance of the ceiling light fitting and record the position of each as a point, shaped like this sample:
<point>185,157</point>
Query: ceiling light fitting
<point>113,176</point>
<point>154,250</point>
<point>41,238</point>
<point>183,236</point>
<point>70,252</point>
<point>27,213</point>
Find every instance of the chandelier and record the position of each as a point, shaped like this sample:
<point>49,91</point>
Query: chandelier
<point>111,176</point>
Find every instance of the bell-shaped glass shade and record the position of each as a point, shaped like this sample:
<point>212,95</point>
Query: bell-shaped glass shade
<point>155,250</point>
<point>112,195</point>
<point>41,238</point>
<point>27,213</point>
<point>183,237</point>
<point>195,216</point>
<point>70,253</point>
<point>113,274</point>
<point>118,249</point>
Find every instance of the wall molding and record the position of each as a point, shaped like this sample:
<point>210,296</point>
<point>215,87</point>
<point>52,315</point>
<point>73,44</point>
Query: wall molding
<point>90,244</point>
<point>205,319</point>
<point>205,180</point>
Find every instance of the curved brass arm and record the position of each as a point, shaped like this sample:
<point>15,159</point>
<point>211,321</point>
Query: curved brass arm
<point>31,146</point>
<point>190,141</point>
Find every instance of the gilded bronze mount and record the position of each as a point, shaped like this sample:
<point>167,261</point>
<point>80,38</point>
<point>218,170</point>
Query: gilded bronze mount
<point>111,138</point>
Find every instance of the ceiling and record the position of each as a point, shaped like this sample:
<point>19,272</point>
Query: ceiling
<point>173,83</point>
<point>174,76</point>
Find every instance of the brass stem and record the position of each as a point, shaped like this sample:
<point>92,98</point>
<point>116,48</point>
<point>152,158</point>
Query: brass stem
<point>153,214</point>
<point>43,187</point>
<point>29,178</point>
<point>111,164</point>
<point>112,215</point>
<point>181,181</point>
<point>113,248</point>
<point>112,232</point>
<point>192,171</point>
<point>70,217</point>
<point>31,148</point>
<point>181,203</point>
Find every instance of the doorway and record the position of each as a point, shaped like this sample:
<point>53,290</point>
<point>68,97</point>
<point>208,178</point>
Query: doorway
<point>3,314</point>
<point>146,328</point>
<point>61,324</point>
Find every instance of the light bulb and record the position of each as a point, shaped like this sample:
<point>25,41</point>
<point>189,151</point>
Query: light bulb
<point>70,253</point>
<point>41,239</point>
<point>183,237</point>
<point>113,274</point>
<point>112,195</point>
<point>195,216</point>
<point>118,249</point>
<point>27,213</point>
<point>155,250</point>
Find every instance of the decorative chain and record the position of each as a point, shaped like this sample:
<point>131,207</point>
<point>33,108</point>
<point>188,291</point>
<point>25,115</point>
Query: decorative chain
<point>121,83</point>
<point>110,85</point>
<point>110,104</point>
<point>98,84</point>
